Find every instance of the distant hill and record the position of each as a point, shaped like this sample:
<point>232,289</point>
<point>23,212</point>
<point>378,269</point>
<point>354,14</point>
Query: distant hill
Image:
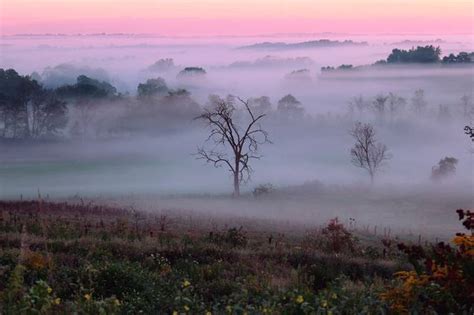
<point>322,43</point>
<point>273,62</point>
<point>418,42</point>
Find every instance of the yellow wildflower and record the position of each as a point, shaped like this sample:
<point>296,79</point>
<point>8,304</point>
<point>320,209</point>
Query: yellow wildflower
<point>299,299</point>
<point>228,308</point>
<point>57,301</point>
<point>208,313</point>
<point>466,240</point>
<point>49,290</point>
<point>186,308</point>
<point>117,302</point>
<point>186,283</point>
<point>175,313</point>
<point>324,303</point>
<point>87,296</point>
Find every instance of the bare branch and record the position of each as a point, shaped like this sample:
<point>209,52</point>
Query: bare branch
<point>225,131</point>
<point>367,153</point>
<point>213,157</point>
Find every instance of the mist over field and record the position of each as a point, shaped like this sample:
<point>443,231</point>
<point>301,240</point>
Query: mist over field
<point>290,157</point>
<point>308,160</point>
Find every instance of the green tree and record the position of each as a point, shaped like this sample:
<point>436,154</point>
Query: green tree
<point>151,88</point>
<point>420,54</point>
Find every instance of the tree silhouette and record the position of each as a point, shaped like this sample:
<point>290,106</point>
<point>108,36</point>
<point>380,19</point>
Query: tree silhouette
<point>470,132</point>
<point>367,153</point>
<point>241,139</point>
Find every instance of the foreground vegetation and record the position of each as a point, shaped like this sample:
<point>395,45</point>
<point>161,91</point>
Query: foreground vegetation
<point>80,258</point>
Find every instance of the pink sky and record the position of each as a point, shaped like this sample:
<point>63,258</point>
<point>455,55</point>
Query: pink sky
<point>237,17</point>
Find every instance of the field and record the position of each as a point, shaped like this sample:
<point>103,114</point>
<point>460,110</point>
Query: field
<point>80,256</point>
<point>232,157</point>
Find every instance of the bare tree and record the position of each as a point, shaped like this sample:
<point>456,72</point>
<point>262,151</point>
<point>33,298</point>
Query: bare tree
<point>467,106</point>
<point>395,105</point>
<point>379,106</point>
<point>367,152</point>
<point>359,103</point>
<point>241,139</point>
<point>418,101</point>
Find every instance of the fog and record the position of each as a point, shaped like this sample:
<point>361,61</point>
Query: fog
<point>308,162</point>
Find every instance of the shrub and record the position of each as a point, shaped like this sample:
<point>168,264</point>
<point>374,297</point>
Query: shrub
<point>443,279</point>
<point>263,190</point>
<point>234,237</point>
<point>334,238</point>
<point>446,167</point>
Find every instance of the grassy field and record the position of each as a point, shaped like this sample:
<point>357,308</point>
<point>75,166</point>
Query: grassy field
<point>63,258</point>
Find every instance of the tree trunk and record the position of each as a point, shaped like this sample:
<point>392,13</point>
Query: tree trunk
<point>236,185</point>
<point>236,178</point>
<point>372,177</point>
<point>27,122</point>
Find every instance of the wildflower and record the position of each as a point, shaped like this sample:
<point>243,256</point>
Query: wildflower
<point>299,299</point>
<point>87,296</point>
<point>329,313</point>
<point>186,308</point>
<point>464,240</point>
<point>228,308</point>
<point>208,313</point>
<point>116,302</point>
<point>56,301</point>
<point>186,284</point>
<point>334,296</point>
<point>175,313</point>
<point>324,303</point>
<point>49,290</point>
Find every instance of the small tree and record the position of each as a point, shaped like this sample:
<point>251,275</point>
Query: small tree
<point>359,103</point>
<point>418,101</point>
<point>379,106</point>
<point>467,106</point>
<point>290,107</point>
<point>445,168</point>
<point>395,105</point>
<point>241,139</point>
<point>367,153</point>
<point>469,131</point>
<point>260,105</point>
<point>48,114</point>
<point>151,88</point>
<point>191,72</point>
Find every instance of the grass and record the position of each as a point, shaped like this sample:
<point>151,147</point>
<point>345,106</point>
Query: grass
<point>62,258</point>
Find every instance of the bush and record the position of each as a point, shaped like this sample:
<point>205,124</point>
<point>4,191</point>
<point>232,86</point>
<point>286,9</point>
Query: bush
<point>446,167</point>
<point>334,238</point>
<point>234,237</point>
<point>129,282</point>
<point>443,279</point>
<point>263,190</point>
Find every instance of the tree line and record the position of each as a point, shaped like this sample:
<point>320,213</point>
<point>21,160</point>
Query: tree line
<point>236,134</point>
<point>27,109</point>
<point>420,55</point>
<point>89,106</point>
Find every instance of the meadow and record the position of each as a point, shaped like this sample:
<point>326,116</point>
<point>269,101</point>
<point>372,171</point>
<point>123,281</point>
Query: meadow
<point>112,201</point>
<point>84,257</point>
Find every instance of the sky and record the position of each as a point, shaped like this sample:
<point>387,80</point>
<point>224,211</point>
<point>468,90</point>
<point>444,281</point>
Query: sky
<point>236,17</point>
